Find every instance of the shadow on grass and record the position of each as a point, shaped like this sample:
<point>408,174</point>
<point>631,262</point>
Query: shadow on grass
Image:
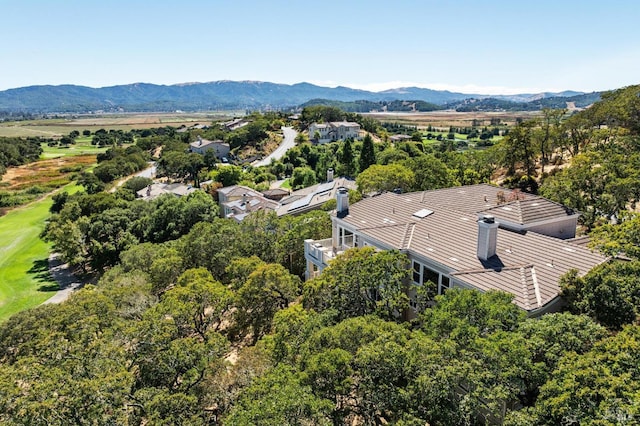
<point>40,272</point>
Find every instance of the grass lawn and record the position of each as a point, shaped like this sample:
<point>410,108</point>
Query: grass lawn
<point>24,268</point>
<point>286,184</point>
<point>82,147</point>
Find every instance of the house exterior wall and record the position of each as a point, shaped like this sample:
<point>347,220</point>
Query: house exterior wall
<point>220,149</point>
<point>562,229</point>
<point>331,132</point>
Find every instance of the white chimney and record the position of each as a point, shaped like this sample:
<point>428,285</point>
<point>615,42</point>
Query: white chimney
<point>487,237</point>
<point>342,202</point>
<point>329,175</point>
<point>244,198</point>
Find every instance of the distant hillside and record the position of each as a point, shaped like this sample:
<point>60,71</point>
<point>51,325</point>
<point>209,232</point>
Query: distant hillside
<point>368,106</point>
<point>219,95</point>
<point>501,104</point>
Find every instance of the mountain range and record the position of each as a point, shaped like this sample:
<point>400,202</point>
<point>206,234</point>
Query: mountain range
<point>224,95</point>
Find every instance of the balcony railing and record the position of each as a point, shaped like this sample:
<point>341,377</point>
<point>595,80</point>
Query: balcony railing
<point>320,250</point>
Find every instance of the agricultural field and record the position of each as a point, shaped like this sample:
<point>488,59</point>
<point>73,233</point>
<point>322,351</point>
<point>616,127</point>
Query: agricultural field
<point>446,119</point>
<point>24,271</point>
<point>56,127</point>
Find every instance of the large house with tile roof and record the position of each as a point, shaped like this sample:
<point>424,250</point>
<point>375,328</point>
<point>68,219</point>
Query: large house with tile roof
<point>480,237</point>
<point>333,131</point>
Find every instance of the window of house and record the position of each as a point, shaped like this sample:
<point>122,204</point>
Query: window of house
<point>417,273</point>
<point>430,275</point>
<point>445,284</point>
<point>346,238</point>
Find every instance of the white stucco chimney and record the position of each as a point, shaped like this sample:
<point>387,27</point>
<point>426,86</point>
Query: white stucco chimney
<point>342,202</point>
<point>487,237</point>
<point>329,175</point>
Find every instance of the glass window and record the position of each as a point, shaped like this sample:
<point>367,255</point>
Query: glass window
<point>417,272</point>
<point>430,275</point>
<point>445,283</point>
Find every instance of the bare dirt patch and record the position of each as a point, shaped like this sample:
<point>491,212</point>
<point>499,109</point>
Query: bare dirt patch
<point>44,172</point>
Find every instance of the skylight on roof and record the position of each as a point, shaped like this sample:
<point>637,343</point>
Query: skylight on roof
<point>423,213</point>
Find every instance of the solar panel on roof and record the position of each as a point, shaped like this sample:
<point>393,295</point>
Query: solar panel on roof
<point>325,187</point>
<point>301,202</point>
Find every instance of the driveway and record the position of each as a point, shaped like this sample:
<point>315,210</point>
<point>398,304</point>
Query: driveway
<point>288,143</point>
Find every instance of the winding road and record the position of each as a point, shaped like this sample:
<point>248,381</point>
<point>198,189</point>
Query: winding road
<point>288,143</point>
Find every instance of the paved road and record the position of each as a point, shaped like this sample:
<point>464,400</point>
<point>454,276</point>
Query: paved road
<point>149,172</point>
<point>288,143</point>
<point>67,282</point>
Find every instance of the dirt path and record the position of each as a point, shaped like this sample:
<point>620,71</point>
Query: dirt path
<point>63,275</point>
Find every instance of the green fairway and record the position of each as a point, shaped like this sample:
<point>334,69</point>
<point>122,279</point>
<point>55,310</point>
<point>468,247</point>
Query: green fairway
<point>81,147</point>
<point>24,270</point>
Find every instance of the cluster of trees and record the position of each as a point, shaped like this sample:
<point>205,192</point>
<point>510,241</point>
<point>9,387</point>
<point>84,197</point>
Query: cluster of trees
<point>113,164</point>
<point>368,106</point>
<point>427,168</point>
<point>396,128</point>
<point>112,138</point>
<point>194,332</point>
<point>604,143</point>
<point>93,229</point>
<point>18,151</point>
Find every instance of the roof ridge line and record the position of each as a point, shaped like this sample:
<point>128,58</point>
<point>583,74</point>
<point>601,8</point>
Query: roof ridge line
<point>408,234</point>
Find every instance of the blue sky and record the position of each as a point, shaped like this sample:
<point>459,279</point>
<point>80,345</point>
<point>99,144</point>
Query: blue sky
<point>469,46</point>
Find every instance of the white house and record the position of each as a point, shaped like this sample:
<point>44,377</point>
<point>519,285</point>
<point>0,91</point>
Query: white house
<point>334,131</point>
<point>200,146</point>
<point>471,236</point>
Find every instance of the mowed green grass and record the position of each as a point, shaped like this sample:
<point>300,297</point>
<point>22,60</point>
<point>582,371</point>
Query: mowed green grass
<point>24,270</point>
<point>82,146</point>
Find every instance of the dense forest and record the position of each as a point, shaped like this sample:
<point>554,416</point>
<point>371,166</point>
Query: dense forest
<point>201,320</point>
